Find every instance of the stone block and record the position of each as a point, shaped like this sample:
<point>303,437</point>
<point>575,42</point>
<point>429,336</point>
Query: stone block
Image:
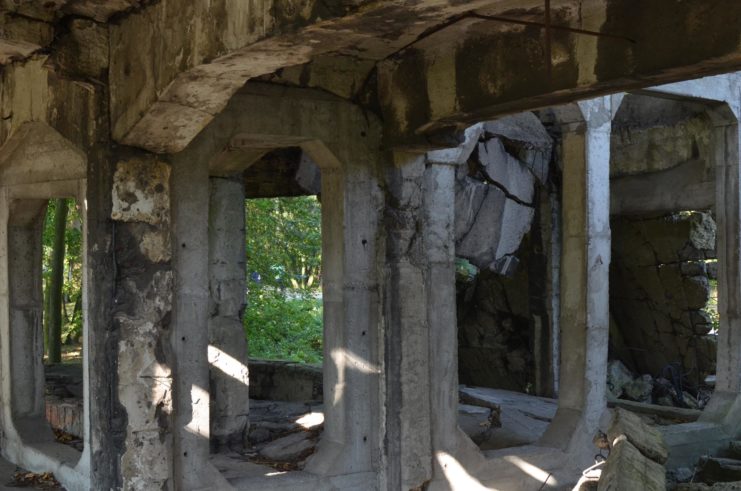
<point>627,469</point>
<point>646,439</point>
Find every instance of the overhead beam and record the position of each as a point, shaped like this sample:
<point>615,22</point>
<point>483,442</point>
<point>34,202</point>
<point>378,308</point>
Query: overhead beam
<point>480,67</point>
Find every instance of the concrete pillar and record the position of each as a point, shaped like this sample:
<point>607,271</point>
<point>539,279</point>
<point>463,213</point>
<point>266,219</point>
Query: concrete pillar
<point>585,265</point>
<point>350,241</point>
<point>421,334</point>
<point>728,218</point>
<point>408,391</point>
<point>227,349</point>
<point>189,185</point>
<point>26,333</point>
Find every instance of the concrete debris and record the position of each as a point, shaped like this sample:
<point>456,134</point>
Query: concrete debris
<point>628,469</point>
<point>647,439</point>
<point>618,376</point>
<point>292,447</point>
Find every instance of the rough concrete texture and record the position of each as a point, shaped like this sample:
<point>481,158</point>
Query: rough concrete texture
<point>645,438</point>
<point>142,318</point>
<point>227,348</point>
<point>496,323</point>
<point>659,294</point>
<point>627,468</point>
<point>495,191</point>
<point>366,78</point>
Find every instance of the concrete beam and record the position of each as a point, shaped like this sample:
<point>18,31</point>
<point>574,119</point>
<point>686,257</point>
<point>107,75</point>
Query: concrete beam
<point>484,65</point>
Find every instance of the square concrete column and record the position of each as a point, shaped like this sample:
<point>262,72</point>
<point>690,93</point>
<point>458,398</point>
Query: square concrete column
<point>585,265</point>
<point>227,349</point>
<point>726,142</point>
<point>350,200</point>
<point>420,306</point>
<point>408,391</point>
<point>189,339</point>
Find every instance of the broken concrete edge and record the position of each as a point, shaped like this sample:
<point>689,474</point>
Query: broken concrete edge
<point>647,439</point>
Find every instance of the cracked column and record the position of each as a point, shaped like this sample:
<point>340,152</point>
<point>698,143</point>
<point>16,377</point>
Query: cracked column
<point>585,265</point>
<point>409,452</point>
<point>421,339</point>
<point>227,350</point>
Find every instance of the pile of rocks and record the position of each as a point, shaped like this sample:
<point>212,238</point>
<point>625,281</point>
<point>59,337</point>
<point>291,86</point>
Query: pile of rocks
<point>664,390</point>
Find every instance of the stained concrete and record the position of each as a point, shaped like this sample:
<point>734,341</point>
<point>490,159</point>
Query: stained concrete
<point>378,94</point>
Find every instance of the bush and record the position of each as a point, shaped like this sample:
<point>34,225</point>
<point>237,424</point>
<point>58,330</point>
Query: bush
<point>284,325</point>
<point>283,319</point>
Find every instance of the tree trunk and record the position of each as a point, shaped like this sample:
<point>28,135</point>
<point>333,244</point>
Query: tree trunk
<point>56,281</point>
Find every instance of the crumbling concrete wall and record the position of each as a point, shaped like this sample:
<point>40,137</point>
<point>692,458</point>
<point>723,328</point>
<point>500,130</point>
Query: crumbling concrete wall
<point>659,289</point>
<point>502,229</point>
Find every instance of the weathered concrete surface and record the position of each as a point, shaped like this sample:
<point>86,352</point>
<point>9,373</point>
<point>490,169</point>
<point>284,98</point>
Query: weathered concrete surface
<point>468,86</point>
<point>227,348</point>
<point>179,99</point>
<point>627,468</point>
<point>645,438</point>
<point>142,317</point>
<point>659,292</point>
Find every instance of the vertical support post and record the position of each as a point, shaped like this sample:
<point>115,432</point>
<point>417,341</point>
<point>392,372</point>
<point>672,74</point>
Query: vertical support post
<point>189,337</point>
<point>584,272</point>
<point>350,215</point>
<point>227,349</point>
<point>439,242</point>
<point>409,449</point>
<point>727,158</point>
<point>26,335</point>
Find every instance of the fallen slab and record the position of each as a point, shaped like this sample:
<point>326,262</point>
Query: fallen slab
<point>628,469</point>
<point>677,413</point>
<point>645,438</point>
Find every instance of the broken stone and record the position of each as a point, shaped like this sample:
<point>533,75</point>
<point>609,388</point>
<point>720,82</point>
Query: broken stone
<point>716,469</point>
<point>259,435</point>
<point>639,389</point>
<point>628,469</point>
<point>289,448</point>
<point>618,376</point>
<point>645,438</point>
<point>693,268</point>
<point>682,474</point>
<point>525,137</point>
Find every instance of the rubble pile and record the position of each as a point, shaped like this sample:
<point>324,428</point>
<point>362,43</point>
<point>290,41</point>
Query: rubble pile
<point>669,388</point>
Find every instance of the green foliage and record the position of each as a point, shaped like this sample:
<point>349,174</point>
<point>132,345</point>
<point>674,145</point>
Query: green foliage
<point>283,319</point>
<point>72,287</point>
<point>284,328</point>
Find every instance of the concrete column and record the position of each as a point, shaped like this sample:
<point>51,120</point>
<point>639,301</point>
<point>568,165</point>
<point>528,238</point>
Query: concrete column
<point>227,349</point>
<point>585,265</point>
<point>189,185</point>
<point>350,215</point>
<point>407,344</point>
<point>728,218</point>
<point>26,333</point>
<point>421,334</point>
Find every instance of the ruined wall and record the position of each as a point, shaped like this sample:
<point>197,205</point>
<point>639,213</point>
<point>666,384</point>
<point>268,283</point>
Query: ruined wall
<point>659,289</point>
<point>502,212</point>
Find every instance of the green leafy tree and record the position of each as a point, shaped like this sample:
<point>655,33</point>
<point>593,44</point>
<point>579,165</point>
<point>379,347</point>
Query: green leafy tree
<point>62,271</point>
<point>283,319</point>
